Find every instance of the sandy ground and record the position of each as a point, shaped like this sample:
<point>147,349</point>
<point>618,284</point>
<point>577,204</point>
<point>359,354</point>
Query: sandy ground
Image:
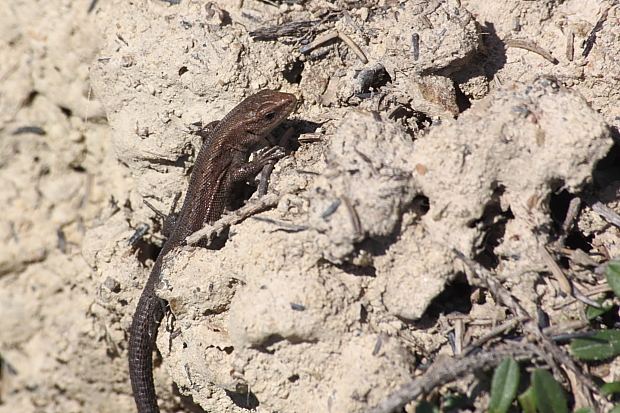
<point>488,119</point>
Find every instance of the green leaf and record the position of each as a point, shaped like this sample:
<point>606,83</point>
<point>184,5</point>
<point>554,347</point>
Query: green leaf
<point>602,345</point>
<point>609,388</point>
<point>548,393</point>
<point>504,386</point>
<point>453,401</point>
<point>593,312</point>
<point>585,410</point>
<point>527,401</point>
<point>425,407</point>
<point>612,272</point>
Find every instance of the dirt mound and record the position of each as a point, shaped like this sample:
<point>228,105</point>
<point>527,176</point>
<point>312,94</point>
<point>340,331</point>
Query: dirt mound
<point>426,129</point>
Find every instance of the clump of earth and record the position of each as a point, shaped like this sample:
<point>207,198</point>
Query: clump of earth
<point>425,130</point>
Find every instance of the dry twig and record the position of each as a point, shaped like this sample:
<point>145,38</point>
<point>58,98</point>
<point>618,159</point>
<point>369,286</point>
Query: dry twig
<point>606,213</point>
<point>446,372</point>
<point>290,29</point>
<point>209,231</point>
<point>524,44</point>
<point>529,325</point>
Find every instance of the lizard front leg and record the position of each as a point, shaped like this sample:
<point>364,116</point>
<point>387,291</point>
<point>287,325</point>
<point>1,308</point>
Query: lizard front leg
<point>253,167</point>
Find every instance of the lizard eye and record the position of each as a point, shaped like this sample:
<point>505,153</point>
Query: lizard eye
<point>270,116</point>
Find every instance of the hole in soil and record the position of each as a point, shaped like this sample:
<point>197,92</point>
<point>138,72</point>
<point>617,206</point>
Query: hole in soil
<point>67,112</point>
<point>456,297</point>
<point>413,121</point>
<point>270,341</point>
<point>578,240</point>
<point>146,251</point>
<point>244,400</point>
<point>30,98</point>
<point>608,169</point>
<point>558,206</point>
<point>358,270</point>
<point>363,314</point>
<point>462,101</point>
<point>493,221</point>
<point>187,401</point>
<point>610,319</point>
<point>420,205</point>
<point>292,72</point>
<point>493,238</point>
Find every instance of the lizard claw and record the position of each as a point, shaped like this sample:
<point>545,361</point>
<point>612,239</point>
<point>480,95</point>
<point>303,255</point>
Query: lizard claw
<point>271,155</point>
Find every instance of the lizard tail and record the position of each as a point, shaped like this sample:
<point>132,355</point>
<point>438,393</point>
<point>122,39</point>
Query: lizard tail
<point>144,326</point>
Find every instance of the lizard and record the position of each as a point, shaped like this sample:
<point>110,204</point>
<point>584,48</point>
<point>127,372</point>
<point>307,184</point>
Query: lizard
<point>220,163</point>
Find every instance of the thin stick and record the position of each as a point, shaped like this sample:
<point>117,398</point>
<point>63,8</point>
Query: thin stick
<point>286,138</point>
<point>570,45</point>
<point>524,44</point>
<point>360,54</point>
<point>264,179</point>
<point>606,213</point>
<point>347,16</point>
<point>573,210</point>
<point>588,44</point>
<point>282,224</point>
<point>502,295</point>
<point>209,231</point>
<point>446,372</point>
<point>355,218</point>
<point>494,332</point>
<point>555,269</point>
<point>593,291</point>
<point>319,41</point>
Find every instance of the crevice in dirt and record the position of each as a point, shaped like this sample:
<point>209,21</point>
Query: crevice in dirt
<point>493,224</point>
<point>493,49</point>
<point>454,299</point>
<point>362,271</point>
<point>463,102</point>
<point>576,240</point>
<point>420,205</point>
<point>608,169</point>
<point>247,400</point>
<point>558,207</point>
<point>66,111</point>
<point>147,251</point>
<point>179,162</point>
<point>412,120</point>
<point>293,72</point>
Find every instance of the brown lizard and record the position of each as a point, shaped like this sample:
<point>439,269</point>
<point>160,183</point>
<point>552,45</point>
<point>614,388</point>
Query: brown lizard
<point>220,163</point>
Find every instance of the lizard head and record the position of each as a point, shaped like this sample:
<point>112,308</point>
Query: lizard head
<point>258,114</point>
